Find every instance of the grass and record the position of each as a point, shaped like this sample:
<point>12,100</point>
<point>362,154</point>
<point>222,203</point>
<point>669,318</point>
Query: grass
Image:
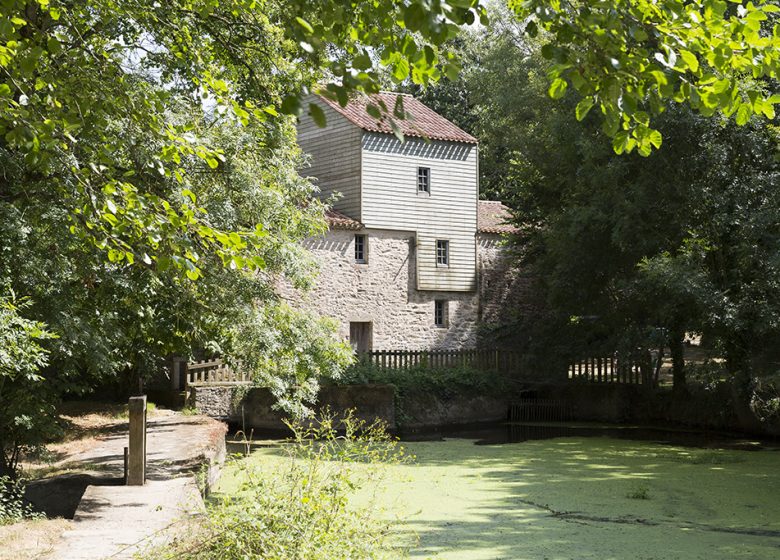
<point>578,497</point>
<point>82,422</point>
<point>31,539</point>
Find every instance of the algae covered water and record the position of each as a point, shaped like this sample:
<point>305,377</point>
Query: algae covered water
<point>582,492</point>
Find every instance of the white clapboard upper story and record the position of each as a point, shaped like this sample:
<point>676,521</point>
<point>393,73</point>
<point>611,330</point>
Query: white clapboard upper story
<point>427,184</point>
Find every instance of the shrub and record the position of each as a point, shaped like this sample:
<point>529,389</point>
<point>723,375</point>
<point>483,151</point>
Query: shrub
<point>302,510</point>
<point>13,507</point>
<point>443,382</point>
<point>26,401</point>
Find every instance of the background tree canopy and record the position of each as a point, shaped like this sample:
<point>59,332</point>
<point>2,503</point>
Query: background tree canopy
<point>632,250</point>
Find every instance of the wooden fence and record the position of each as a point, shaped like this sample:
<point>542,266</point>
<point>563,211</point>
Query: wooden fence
<point>506,361</point>
<point>213,371</point>
<point>636,370</point>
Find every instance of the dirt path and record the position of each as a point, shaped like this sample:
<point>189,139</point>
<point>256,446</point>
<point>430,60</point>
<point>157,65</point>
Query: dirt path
<point>116,521</point>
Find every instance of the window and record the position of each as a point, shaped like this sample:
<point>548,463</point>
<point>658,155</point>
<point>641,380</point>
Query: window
<point>440,313</point>
<point>442,252</point>
<point>361,249</point>
<point>424,180</point>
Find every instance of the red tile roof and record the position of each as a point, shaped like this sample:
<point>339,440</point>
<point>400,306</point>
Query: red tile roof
<point>337,220</point>
<point>492,217</point>
<point>420,120</point>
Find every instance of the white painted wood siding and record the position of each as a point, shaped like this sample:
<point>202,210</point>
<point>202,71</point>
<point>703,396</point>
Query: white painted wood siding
<point>335,157</point>
<point>390,201</point>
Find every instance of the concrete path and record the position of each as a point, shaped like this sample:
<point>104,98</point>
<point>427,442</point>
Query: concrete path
<point>116,521</point>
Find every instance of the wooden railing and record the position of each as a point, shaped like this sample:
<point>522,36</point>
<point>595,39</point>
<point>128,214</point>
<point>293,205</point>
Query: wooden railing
<point>213,371</point>
<point>635,370</point>
<point>495,360</point>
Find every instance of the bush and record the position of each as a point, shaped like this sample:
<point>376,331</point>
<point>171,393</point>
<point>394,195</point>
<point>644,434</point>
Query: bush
<point>13,507</point>
<point>26,400</point>
<point>442,382</point>
<point>301,511</point>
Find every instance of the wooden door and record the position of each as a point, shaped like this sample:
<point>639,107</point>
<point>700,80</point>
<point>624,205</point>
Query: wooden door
<point>360,337</point>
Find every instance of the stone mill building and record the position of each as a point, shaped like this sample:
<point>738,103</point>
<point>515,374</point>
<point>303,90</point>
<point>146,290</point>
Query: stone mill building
<point>411,250</point>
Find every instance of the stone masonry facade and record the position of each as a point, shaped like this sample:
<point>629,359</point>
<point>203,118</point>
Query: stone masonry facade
<point>382,292</point>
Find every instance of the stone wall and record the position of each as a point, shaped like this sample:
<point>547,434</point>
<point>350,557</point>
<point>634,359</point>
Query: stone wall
<point>424,410</point>
<point>253,407</point>
<point>507,293</point>
<point>383,292</point>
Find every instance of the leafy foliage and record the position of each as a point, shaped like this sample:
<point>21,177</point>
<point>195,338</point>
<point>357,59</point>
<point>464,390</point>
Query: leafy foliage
<point>288,351</point>
<point>630,58</point>
<point>120,319</point>
<point>631,251</point>
<point>300,507</point>
<point>442,382</point>
<point>13,507</point>
<point>72,71</point>
<point>27,415</point>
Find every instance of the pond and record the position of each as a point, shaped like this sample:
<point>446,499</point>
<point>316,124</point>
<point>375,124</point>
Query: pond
<point>585,492</point>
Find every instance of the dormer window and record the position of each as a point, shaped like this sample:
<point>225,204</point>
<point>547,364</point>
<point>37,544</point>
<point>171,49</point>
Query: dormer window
<point>442,252</point>
<point>423,180</point>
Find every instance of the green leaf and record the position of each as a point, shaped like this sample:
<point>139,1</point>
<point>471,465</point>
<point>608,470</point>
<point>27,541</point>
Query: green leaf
<point>690,60</point>
<point>401,70</point>
<point>655,138</point>
<point>743,114</point>
<point>620,142</point>
<point>414,16</point>
<point>291,105</point>
<point>362,62</point>
<point>583,108</point>
<point>305,25</point>
<point>317,115</point>
<point>557,88</point>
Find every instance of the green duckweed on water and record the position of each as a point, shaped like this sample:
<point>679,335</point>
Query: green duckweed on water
<point>576,498</point>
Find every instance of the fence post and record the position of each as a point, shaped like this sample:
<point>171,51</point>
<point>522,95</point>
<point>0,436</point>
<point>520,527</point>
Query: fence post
<point>136,462</point>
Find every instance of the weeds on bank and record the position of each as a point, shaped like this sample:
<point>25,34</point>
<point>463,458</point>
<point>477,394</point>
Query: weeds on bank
<point>301,510</point>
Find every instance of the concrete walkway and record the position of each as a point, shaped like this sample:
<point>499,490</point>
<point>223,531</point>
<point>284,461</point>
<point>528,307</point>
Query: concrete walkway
<point>116,521</point>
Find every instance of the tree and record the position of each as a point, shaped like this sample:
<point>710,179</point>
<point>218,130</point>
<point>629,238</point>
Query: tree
<point>629,58</point>
<point>150,193</point>
<point>630,247</point>
<point>25,417</point>
<point>72,71</point>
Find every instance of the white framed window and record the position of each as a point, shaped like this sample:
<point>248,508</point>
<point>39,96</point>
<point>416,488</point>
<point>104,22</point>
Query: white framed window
<point>423,180</point>
<point>361,248</point>
<point>442,252</point>
<point>440,311</point>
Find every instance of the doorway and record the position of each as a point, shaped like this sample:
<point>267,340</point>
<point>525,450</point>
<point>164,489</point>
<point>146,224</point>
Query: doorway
<point>360,336</point>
